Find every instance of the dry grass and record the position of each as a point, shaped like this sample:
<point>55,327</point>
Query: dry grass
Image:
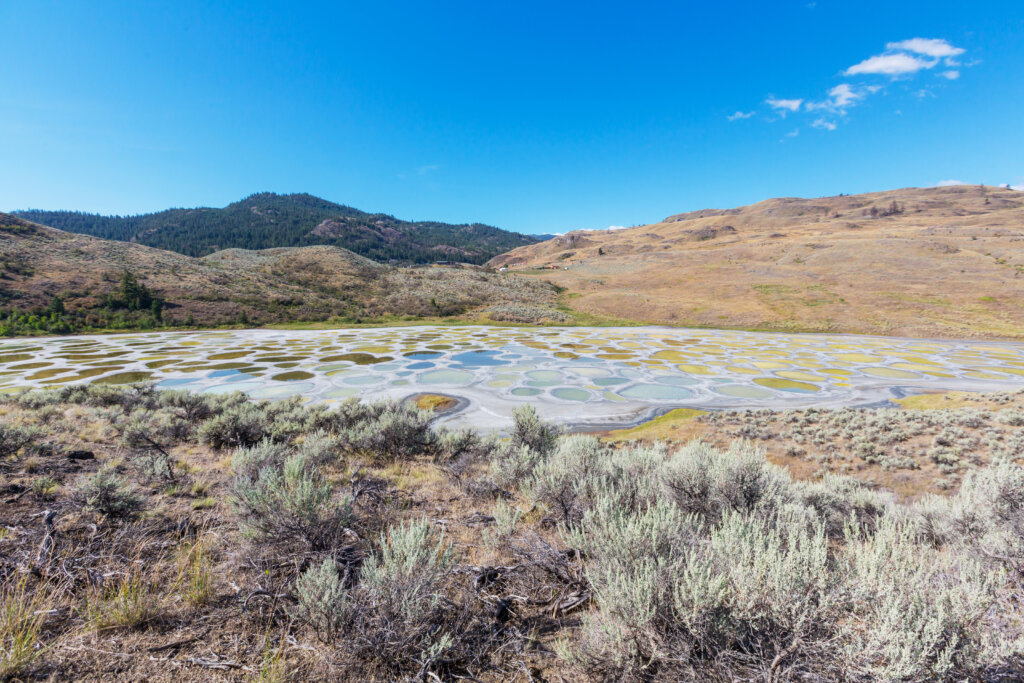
<point>814,265</point>
<point>923,444</point>
<point>269,286</point>
<point>175,589</point>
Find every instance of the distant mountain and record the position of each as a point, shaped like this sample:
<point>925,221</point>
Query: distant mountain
<point>268,220</point>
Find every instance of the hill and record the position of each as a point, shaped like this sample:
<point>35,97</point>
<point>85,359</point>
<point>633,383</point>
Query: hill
<point>56,281</point>
<point>267,221</point>
<point>933,262</point>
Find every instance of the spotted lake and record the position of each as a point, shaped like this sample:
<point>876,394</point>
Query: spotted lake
<point>578,375</point>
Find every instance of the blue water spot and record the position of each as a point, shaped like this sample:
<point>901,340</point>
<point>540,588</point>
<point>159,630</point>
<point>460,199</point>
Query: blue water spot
<point>479,359</point>
<point>175,382</point>
<point>420,366</point>
<point>609,381</point>
<point>241,377</point>
<point>224,373</point>
<point>658,392</point>
<point>681,381</point>
<point>423,354</point>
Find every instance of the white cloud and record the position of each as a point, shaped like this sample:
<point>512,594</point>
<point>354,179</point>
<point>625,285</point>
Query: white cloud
<point>896,64</point>
<point>900,61</point>
<point>1019,188</point>
<point>616,227</point>
<point>949,183</point>
<point>931,47</point>
<point>782,106</point>
<point>840,98</point>
<point>843,95</point>
<point>793,133</point>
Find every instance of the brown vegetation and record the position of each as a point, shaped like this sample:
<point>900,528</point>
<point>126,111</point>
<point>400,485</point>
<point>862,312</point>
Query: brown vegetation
<point>151,535</point>
<point>274,285</point>
<point>934,262</point>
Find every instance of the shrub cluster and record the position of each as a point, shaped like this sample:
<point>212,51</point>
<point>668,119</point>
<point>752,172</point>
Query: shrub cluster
<point>714,565</point>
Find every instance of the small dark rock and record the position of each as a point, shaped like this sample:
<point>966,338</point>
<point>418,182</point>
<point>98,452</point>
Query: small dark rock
<point>81,455</point>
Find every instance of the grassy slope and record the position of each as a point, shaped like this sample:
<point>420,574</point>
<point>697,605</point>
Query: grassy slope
<point>273,285</point>
<point>949,265</point>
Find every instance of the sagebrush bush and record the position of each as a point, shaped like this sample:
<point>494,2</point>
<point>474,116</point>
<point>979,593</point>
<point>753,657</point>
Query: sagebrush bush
<point>237,426</point>
<point>530,431</point>
<point>323,600</point>
<point>405,583</point>
<point>915,610</point>
<point>394,431</point>
<point>13,439</point>
<point>291,502</point>
<point>710,564</point>
<point>106,493</point>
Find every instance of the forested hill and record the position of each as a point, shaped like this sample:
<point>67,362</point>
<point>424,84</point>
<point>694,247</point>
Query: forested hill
<point>268,220</point>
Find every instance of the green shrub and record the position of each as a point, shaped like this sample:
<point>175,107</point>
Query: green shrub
<point>396,432</point>
<point>106,493</point>
<point>237,426</point>
<point>294,501</point>
<point>14,439</point>
<point>530,431</point>
<point>323,601</point>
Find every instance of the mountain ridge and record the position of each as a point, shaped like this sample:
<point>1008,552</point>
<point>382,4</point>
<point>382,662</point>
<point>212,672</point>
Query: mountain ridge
<point>267,220</point>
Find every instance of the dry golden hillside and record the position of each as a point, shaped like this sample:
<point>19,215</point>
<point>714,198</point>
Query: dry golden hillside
<point>933,262</point>
<point>38,263</point>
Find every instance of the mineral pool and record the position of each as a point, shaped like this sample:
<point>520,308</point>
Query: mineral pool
<point>584,376</point>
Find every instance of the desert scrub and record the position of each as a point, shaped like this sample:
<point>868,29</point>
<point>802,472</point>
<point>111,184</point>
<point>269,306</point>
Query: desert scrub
<point>952,441</point>
<point>530,431</point>
<point>127,599</point>
<point>291,501</point>
<point>711,564</point>
<point>14,439</point>
<point>23,611</point>
<point>526,314</point>
<point>394,431</point>
<point>399,617</point>
<point>195,582</point>
<point>106,492</point>
<point>238,426</point>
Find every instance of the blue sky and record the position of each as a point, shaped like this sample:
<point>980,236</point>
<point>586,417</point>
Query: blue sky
<point>532,116</point>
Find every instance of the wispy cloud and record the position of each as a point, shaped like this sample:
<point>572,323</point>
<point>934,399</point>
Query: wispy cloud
<point>793,133</point>
<point>906,57</point>
<point>932,47</point>
<point>897,64</point>
<point>783,106</point>
<point>949,183</point>
<point>901,61</point>
<point>740,115</point>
